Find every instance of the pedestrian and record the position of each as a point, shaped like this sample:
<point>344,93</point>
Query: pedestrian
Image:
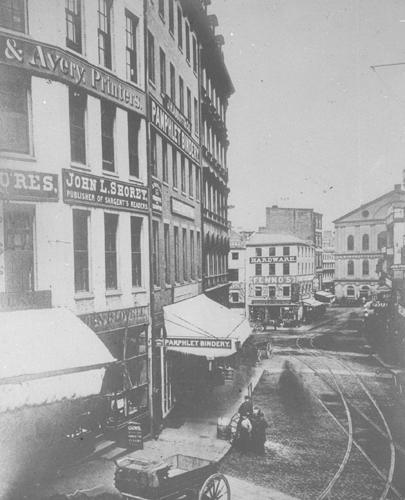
<point>246,408</point>
<point>245,435</point>
<point>258,433</point>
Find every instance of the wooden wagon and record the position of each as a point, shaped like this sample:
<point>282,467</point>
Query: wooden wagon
<point>174,478</point>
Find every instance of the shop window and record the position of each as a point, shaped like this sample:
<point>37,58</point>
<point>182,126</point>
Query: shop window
<point>258,252</point>
<point>155,253</point>
<point>134,125</point>
<point>187,42</point>
<point>286,291</point>
<point>176,255</point>
<point>190,180</point>
<point>81,250</point>
<point>185,255</point>
<point>14,111</point>
<point>19,248</point>
<point>350,242</point>
<point>272,251</point>
<point>162,72</point>
<point>286,250</point>
<point>180,28</point>
<point>162,8</point>
<point>111,264</point>
<point>73,12</point>
<point>258,291</point>
<point>77,115</point>
<point>189,104</point>
<point>350,268</point>
<point>174,167</point>
<point>165,161</point>
<point>235,255</point>
<point>171,16</point>
<point>104,33</point>
<point>286,268</point>
<point>136,259</point>
<point>131,32</point>
<point>151,57</point>
<point>197,183</point>
<point>166,242</point>
<point>258,269</point>
<point>181,94</point>
<point>183,174</point>
<point>272,269</point>
<point>192,256</point>
<point>195,55</point>
<point>235,297</point>
<point>172,83</point>
<point>107,135</point>
<point>233,275</point>
<point>365,242</point>
<point>350,291</point>
<point>272,291</point>
<point>366,267</point>
<point>153,152</point>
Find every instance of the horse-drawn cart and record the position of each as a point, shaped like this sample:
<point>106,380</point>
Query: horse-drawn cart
<point>174,478</point>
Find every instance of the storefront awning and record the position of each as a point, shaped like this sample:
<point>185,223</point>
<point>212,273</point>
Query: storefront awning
<point>203,322</point>
<point>312,303</point>
<point>325,295</point>
<point>48,355</point>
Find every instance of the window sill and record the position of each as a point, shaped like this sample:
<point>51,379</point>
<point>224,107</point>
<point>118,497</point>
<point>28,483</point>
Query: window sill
<point>165,183</point>
<point>135,180</point>
<point>162,18</point>
<point>180,48</point>
<point>113,293</point>
<point>188,62</point>
<point>175,189</point>
<point>17,156</point>
<point>138,289</point>
<point>156,288</point>
<point>110,174</point>
<point>84,296</point>
<point>172,34</point>
<point>195,73</point>
<point>80,166</point>
<point>168,287</point>
<point>152,84</point>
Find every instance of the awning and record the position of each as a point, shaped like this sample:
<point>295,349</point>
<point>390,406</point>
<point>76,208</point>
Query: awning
<point>312,303</point>
<point>203,322</point>
<point>48,355</point>
<point>329,296</point>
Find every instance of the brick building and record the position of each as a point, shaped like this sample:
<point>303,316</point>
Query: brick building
<point>237,270</point>
<point>304,223</point>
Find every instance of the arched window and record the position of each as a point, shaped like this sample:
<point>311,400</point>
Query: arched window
<point>350,268</point>
<point>350,242</point>
<point>364,292</point>
<point>365,242</point>
<point>350,291</point>
<point>366,268</point>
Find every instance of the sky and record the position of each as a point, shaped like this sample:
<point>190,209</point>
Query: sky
<point>311,124</point>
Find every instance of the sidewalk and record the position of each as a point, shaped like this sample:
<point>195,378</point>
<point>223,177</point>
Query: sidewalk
<point>196,437</point>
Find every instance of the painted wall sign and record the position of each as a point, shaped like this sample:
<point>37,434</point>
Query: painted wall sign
<point>28,186</point>
<point>157,197</point>
<point>177,114</point>
<point>162,120</point>
<point>85,189</point>
<point>272,280</point>
<point>344,256</point>
<point>107,321</point>
<point>135,439</point>
<point>183,342</point>
<point>181,208</point>
<point>266,260</point>
<point>48,61</point>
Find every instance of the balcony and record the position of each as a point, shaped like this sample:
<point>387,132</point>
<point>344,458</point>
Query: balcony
<point>17,301</point>
<point>215,218</point>
<point>215,281</point>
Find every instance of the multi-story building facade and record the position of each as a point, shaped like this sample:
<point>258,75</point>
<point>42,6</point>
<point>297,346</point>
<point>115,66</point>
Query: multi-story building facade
<point>280,272</point>
<point>304,223</point>
<point>216,88</point>
<point>361,245</point>
<point>328,261</point>
<point>74,198</point>
<point>237,270</point>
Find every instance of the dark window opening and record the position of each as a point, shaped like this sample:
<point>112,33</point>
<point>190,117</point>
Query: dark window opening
<point>110,238</point>
<point>81,250</point>
<point>107,135</point>
<point>104,33</point>
<point>136,259</point>
<point>77,111</point>
<point>73,25</point>
<point>131,43</point>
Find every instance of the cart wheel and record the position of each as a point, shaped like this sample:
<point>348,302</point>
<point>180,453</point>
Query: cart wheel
<point>234,426</point>
<point>258,328</point>
<point>269,350</point>
<point>216,487</point>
